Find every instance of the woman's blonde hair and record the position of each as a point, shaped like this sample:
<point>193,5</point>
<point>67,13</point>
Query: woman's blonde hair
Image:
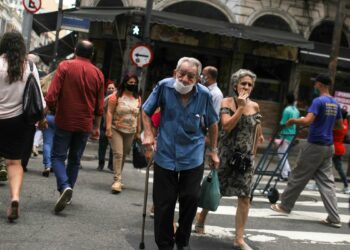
<point>240,74</point>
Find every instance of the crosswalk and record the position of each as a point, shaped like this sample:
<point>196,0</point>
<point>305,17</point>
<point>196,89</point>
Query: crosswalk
<point>266,225</point>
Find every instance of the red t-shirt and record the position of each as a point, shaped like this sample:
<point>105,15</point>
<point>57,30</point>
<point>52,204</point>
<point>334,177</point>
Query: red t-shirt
<point>338,138</point>
<point>77,92</point>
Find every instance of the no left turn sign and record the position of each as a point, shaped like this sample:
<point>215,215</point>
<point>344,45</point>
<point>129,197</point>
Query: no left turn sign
<point>32,6</point>
<point>141,55</point>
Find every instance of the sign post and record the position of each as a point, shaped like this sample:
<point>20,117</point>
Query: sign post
<point>141,55</point>
<point>31,7</point>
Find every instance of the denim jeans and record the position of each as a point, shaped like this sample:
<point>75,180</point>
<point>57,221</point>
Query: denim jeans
<point>73,144</point>
<point>48,140</point>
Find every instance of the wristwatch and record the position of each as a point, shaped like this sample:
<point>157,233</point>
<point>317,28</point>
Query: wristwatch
<point>213,150</point>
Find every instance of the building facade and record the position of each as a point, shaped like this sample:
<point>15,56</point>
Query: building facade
<point>267,37</point>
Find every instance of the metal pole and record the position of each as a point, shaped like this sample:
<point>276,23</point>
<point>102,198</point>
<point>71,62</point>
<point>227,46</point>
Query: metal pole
<point>337,31</point>
<point>146,39</point>
<point>27,28</point>
<point>58,28</point>
<point>148,13</point>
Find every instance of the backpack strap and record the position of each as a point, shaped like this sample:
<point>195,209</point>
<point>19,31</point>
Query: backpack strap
<point>30,66</point>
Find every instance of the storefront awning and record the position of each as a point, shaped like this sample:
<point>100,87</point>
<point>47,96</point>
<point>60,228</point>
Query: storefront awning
<point>230,29</point>
<point>198,24</point>
<point>321,55</point>
<point>45,22</point>
<point>65,47</point>
<point>98,14</point>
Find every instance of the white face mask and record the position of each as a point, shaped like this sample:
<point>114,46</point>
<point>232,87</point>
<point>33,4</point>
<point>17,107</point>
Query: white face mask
<point>181,88</point>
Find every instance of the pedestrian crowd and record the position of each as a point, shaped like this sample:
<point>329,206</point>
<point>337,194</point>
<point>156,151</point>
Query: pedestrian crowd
<point>187,125</point>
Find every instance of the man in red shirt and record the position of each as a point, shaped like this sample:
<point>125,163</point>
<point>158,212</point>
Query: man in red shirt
<point>76,92</point>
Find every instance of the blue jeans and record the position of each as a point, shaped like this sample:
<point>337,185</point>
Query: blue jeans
<point>48,140</point>
<point>65,141</point>
<point>337,161</point>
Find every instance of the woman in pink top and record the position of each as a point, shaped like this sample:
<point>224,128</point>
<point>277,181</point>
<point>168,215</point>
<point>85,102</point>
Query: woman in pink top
<point>123,124</point>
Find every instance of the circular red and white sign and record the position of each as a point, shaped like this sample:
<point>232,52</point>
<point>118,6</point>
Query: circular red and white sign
<point>141,55</point>
<point>32,6</point>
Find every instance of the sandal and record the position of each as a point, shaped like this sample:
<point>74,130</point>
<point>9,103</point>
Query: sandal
<point>13,211</point>
<point>244,246</point>
<point>199,228</point>
<point>278,208</point>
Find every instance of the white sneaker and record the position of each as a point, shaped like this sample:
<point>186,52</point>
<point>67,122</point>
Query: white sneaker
<point>346,190</point>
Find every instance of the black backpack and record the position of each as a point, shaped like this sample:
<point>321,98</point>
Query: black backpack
<point>33,108</point>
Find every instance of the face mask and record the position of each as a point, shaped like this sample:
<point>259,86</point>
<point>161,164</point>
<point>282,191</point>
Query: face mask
<point>181,88</point>
<point>203,80</point>
<point>316,93</point>
<point>110,91</point>
<point>131,88</point>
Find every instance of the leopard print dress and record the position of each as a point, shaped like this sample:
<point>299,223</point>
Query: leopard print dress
<point>241,138</point>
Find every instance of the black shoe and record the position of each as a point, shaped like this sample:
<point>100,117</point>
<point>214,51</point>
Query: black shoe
<point>100,168</point>
<point>46,172</point>
<point>110,167</point>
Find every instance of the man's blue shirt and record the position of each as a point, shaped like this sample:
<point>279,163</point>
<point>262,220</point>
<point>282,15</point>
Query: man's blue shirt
<point>180,141</point>
<point>326,111</point>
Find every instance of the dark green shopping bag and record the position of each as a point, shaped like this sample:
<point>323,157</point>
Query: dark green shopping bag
<point>210,192</point>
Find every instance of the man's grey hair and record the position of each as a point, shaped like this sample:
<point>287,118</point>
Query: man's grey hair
<point>191,60</point>
<point>240,74</point>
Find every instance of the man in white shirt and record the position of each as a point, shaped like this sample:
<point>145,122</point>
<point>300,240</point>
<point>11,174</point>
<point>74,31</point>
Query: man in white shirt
<point>209,77</point>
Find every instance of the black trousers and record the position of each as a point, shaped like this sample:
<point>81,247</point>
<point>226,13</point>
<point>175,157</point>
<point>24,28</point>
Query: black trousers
<point>168,186</point>
<point>102,147</point>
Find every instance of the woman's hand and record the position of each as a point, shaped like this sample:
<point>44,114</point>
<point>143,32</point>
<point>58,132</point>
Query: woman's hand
<point>42,124</point>
<point>242,98</point>
<point>108,133</point>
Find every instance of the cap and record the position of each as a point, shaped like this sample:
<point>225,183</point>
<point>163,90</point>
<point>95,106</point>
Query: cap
<point>322,78</point>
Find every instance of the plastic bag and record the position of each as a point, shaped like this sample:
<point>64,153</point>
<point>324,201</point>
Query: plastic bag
<point>210,192</point>
<point>138,155</point>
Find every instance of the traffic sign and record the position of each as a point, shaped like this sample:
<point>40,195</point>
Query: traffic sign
<point>32,6</point>
<point>141,55</point>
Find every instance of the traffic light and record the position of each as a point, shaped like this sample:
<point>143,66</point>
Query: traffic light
<point>136,27</point>
<point>136,30</point>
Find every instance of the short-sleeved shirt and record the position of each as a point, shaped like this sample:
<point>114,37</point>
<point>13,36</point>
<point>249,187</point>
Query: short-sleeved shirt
<point>126,113</point>
<point>180,141</point>
<point>216,96</point>
<point>289,112</point>
<point>326,110</point>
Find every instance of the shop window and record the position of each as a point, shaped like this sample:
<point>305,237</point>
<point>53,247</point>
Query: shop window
<point>272,77</point>
<point>110,3</point>
<point>272,22</point>
<point>324,34</point>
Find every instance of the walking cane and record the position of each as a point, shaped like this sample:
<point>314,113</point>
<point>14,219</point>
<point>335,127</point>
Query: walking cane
<point>142,243</point>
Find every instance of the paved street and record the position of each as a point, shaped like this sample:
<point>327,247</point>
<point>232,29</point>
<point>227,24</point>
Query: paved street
<point>99,220</point>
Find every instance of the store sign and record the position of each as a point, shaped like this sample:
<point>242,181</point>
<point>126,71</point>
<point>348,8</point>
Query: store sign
<point>343,98</point>
<point>76,24</point>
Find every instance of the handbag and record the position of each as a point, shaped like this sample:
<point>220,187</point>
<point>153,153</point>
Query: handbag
<point>210,192</point>
<point>33,108</point>
<point>138,155</point>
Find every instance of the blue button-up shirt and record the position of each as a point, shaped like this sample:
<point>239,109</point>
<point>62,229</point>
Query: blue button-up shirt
<point>180,141</point>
